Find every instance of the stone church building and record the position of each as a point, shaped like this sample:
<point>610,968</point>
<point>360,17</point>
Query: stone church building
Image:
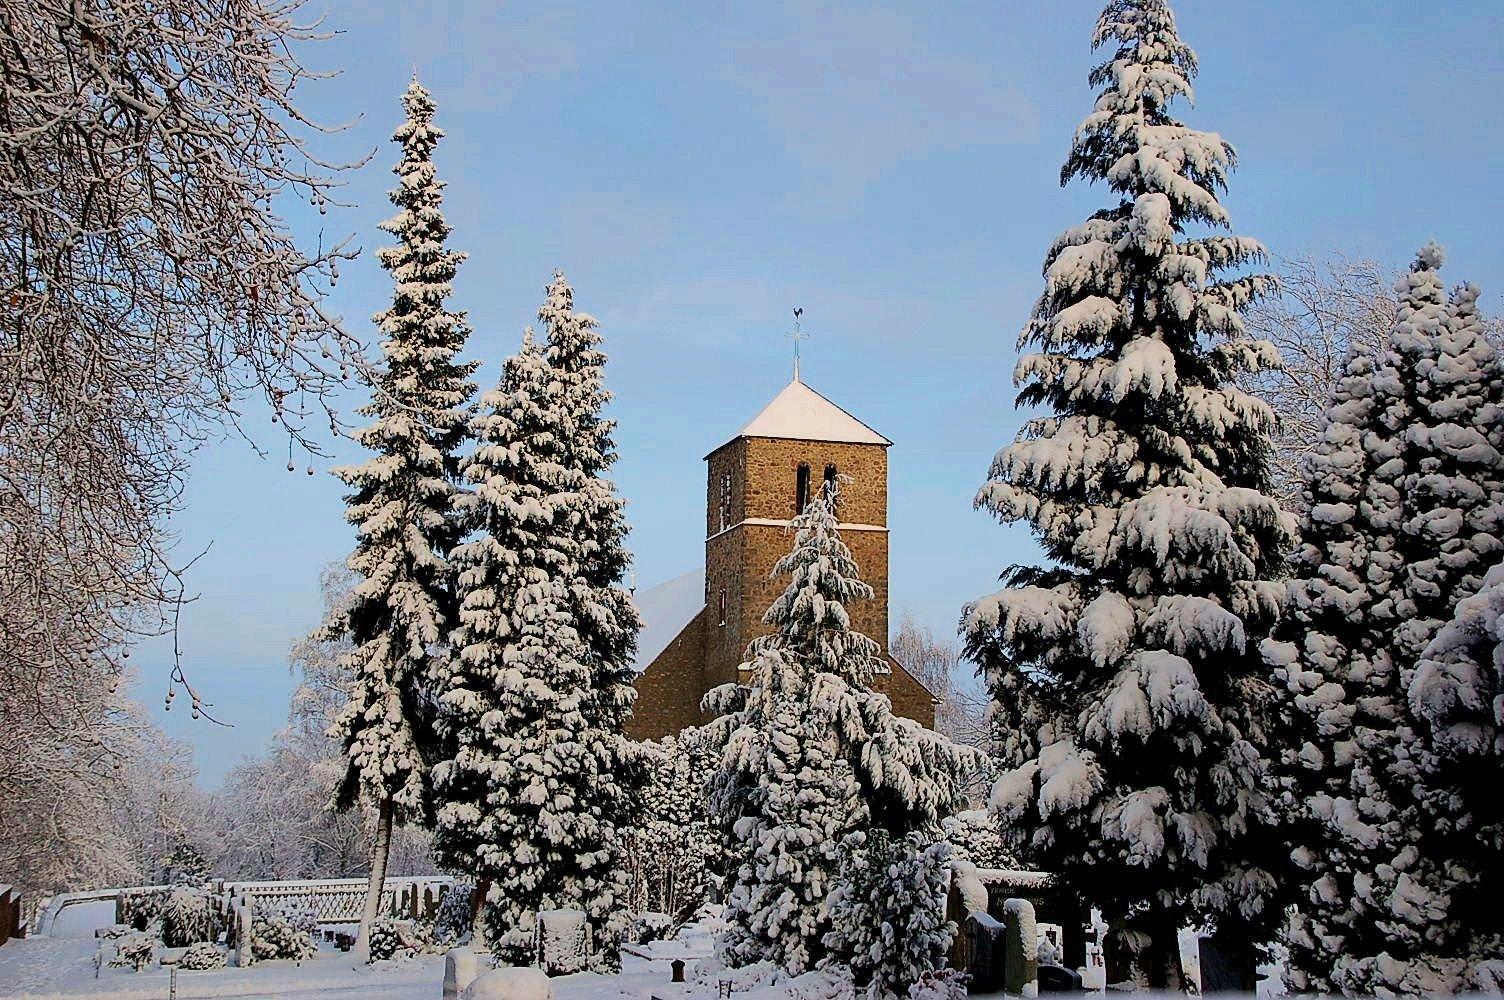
<point>696,628</point>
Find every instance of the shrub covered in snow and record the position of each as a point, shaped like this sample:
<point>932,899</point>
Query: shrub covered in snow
<point>201,956</point>
<point>975,836</point>
<point>283,932</point>
<point>139,910</point>
<point>452,922</point>
<point>887,912</point>
<point>185,865</point>
<point>1127,673</point>
<point>942,984</point>
<point>400,939</point>
<point>136,952</point>
<point>677,854</point>
<point>188,917</point>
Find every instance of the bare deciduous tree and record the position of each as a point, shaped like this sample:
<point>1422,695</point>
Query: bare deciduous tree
<point>1326,309</point>
<point>963,710</point>
<point>148,291</point>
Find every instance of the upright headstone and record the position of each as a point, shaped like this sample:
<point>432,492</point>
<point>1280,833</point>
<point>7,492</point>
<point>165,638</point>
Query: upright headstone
<point>1021,949</point>
<point>983,956</point>
<point>1058,979</point>
<point>243,924</point>
<point>461,967</point>
<point>563,942</point>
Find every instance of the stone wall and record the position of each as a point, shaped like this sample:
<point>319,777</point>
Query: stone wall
<point>910,699</point>
<point>669,690</point>
<point>750,480</point>
<point>755,479</point>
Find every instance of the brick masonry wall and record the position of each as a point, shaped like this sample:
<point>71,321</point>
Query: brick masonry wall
<point>669,690</point>
<point>756,478</point>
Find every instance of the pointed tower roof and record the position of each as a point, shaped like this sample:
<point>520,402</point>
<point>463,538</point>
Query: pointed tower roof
<point>800,413</point>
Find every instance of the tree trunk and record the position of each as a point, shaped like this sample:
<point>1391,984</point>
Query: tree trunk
<point>1165,971</point>
<point>477,912</point>
<point>379,851</point>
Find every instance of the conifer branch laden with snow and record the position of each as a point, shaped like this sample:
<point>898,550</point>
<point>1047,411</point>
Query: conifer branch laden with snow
<point>402,503</point>
<point>1406,495</point>
<point>1129,670</point>
<point>540,777</point>
<point>812,755</point>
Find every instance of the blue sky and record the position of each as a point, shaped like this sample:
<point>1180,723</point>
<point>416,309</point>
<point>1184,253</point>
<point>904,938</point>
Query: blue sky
<point>698,172</point>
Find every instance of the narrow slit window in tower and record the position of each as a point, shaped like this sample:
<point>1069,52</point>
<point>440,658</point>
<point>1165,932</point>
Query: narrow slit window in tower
<point>830,482</point>
<point>801,488</point>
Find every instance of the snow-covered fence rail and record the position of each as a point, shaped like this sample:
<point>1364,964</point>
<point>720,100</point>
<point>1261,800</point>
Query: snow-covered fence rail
<point>338,900</point>
<point>331,901</point>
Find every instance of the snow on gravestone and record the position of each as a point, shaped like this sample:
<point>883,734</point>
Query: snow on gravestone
<point>563,941</point>
<point>461,966</point>
<point>1020,949</point>
<point>510,984</point>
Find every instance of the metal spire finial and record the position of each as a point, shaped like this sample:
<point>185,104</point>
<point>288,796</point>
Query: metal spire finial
<point>797,335</point>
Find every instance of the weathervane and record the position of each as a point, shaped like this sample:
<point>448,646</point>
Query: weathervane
<point>797,335</point>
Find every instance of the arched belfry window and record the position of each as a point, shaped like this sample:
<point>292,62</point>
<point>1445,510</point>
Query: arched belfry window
<point>801,488</point>
<point>725,500</point>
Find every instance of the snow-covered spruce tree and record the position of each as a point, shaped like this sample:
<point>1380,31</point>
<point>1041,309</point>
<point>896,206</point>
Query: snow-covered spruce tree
<point>590,520</point>
<point>541,776</point>
<point>1458,695</point>
<point>887,911</point>
<point>401,502</point>
<point>1406,498</point>
<point>490,710</point>
<point>1133,661</point>
<point>812,755</point>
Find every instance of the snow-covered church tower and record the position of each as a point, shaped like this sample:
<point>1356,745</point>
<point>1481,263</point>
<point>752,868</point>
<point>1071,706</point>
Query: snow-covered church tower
<point>696,627</point>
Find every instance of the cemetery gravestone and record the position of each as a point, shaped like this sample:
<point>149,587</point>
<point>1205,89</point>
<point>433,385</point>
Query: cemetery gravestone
<point>1021,949</point>
<point>563,942</point>
<point>984,958</point>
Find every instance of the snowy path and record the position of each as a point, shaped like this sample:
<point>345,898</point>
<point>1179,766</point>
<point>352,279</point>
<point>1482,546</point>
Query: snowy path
<point>63,969</point>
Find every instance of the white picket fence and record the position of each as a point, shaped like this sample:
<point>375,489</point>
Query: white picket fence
<point>332,901</point>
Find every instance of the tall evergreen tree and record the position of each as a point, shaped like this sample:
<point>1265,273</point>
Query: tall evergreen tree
<point>490,712</point>
<point>1407,496</point>
<point>1131,664</point>
<point>401,502</point>
<point>541,775</point>
<point>590,519</point>
<point>812,755</point>
<point>1458,696</point>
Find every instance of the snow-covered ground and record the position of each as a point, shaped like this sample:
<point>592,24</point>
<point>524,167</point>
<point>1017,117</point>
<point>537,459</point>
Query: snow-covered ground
<point>65,966</point>
<point>55,968</point>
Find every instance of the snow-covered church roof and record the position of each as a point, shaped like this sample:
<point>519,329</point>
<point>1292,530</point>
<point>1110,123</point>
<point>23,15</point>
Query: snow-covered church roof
<point>801,413</point>
<point>665,610</point>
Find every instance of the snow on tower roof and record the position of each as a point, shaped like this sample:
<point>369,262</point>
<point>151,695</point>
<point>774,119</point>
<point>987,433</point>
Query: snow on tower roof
<point>665,610</point>
<point>801,413</point>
